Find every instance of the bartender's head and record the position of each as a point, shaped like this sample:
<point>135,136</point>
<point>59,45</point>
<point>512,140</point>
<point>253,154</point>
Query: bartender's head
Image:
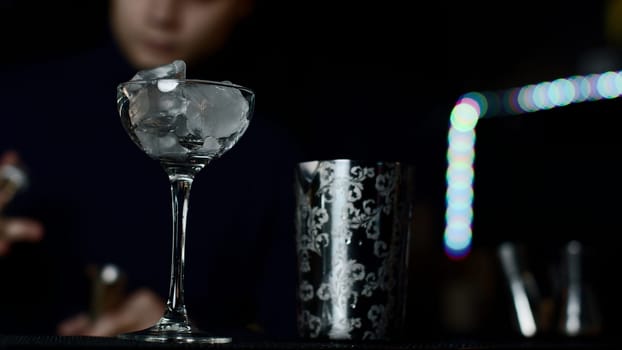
<point>155,32</point>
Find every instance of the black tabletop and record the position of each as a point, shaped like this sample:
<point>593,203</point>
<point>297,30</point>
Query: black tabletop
<point>60,342</point>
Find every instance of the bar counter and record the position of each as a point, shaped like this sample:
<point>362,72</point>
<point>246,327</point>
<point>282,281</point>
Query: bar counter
<point>63,342</point>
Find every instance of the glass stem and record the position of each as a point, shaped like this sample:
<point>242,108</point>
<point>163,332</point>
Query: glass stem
<point>180,193</point>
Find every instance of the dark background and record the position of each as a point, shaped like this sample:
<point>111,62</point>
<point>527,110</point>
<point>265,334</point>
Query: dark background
<point>377,80</point>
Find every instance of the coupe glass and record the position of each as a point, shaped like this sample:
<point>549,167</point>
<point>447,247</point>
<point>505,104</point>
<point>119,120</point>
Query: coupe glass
<point>184,124</point>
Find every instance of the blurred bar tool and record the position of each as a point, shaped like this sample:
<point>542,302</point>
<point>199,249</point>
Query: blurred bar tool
<point>523,289</point>
<point>107,288</point>
<point>12,180</point>
<point>580,314</point>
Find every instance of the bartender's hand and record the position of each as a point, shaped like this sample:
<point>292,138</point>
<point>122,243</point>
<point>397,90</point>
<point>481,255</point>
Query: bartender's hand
<point>140,310</point>
<point>15,229</point>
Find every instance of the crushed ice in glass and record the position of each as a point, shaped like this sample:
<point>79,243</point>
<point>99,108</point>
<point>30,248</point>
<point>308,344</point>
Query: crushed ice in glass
<point>172,118</point>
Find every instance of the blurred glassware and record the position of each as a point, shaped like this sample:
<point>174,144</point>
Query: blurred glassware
<point>579,309</point>
<point>524,291</point>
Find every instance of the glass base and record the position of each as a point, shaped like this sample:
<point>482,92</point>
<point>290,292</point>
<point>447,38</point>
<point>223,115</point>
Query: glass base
<point>178,334</point>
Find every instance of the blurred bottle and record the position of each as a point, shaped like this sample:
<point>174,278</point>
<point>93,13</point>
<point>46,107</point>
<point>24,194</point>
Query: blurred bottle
<point>107,288</point>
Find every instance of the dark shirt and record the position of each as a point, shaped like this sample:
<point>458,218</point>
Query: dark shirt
<point>102,200</point>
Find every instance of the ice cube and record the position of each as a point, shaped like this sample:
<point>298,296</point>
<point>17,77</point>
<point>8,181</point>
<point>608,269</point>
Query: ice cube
<point>149,101</point>
<point>167,85</point>
<point>173,70</point>
<point>138,105</point>
<point>158,135</point>
<point>161,146</point>
<point>146,99</point>
<point>216,111</point>
<point>210,145</point>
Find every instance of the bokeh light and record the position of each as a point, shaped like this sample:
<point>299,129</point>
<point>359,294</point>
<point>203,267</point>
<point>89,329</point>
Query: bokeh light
<point>465,114</point>
<point>473,106</point>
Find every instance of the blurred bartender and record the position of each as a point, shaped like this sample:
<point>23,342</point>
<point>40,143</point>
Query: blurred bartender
<point>97,199</point>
